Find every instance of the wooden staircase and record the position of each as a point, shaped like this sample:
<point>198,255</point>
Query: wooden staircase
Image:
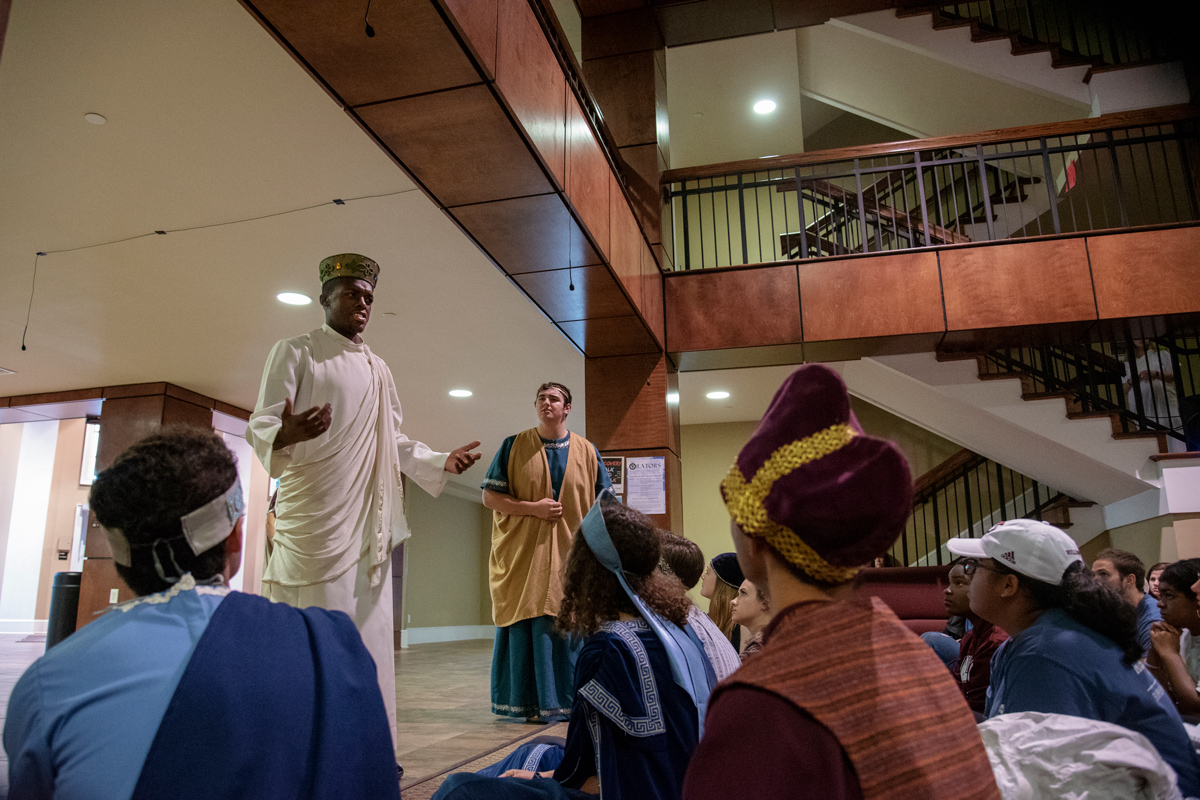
<point>1111,39</point>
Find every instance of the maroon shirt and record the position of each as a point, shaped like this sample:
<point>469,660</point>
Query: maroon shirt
<point>756,744</point>
<point>973,669</point>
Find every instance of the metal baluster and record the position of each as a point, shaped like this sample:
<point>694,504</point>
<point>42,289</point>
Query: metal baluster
<point>1000,491</point>
<point>687,239</point>
<point>803,224</point>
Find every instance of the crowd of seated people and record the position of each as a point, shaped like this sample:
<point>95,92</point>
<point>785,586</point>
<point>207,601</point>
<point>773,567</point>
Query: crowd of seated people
<point>857,706</point>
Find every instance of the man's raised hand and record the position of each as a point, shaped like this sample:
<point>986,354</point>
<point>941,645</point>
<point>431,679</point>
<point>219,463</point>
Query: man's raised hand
<point>303,426</point>
<point>462,459</point>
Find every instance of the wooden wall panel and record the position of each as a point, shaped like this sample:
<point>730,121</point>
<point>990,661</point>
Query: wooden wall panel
<point>532,82</point>
<point>652,296</point>
<point>412,52</point>
<point>743,308</point>
<point>99,576</point>
<point>528,234</point>
<point>883,296</point>
<point>626,253</point>
<point>644,165</point>
<point>627,403</point>
<point>1017,284</point>
<point>628,114</point>
<point>596,293</point>
<point>460,144</point>
<point>1145,273</point>
<point>477,21</point>
<point>610,336</point>
<point>588,176</point>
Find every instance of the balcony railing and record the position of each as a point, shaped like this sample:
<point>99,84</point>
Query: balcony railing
<point>964,497</point>
<point>1118,171</point>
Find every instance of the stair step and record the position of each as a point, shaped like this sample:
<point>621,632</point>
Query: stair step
<point>1088,414</point>
<point>1061,393</point>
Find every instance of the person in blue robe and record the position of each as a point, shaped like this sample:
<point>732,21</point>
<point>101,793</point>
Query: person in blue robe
<point>191,689</point>
<point>640,686</point>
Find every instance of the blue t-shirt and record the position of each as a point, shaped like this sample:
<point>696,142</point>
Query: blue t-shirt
<point>1147,615</point>
<point>557,451</point>
<point>82,717</point>
<point>1058,666</point>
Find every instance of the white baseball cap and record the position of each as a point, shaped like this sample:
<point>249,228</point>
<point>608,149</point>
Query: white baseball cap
<point>1035,549</point>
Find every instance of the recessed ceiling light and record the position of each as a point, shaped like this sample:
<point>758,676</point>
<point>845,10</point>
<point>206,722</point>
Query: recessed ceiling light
<point>293,298</point>
<point>461,392</point>
<point>673,398</point>
<point>94,118</point>
<point>717,395</point>
<point>764,106</point>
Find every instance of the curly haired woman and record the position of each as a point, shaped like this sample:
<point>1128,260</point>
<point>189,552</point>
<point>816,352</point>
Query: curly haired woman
<point>633,726</point>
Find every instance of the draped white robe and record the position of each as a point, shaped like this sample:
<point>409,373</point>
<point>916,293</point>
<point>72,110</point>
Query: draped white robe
<point>339,510</point>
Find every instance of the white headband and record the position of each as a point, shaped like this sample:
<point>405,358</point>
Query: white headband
<point>203,528</point>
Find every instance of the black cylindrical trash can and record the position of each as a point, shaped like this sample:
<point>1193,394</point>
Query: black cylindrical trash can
<point>64,606</point>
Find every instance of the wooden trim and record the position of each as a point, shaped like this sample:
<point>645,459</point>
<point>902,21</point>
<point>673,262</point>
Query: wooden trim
<point>46,398</point>
<point>1188,456</point>
<point>179,393</point>
<point>960,460</point>
<point>1120,119</point>
<point>134,390</point>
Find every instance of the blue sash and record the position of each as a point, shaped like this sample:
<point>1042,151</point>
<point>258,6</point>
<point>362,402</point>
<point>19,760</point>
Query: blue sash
<point>276,702</point>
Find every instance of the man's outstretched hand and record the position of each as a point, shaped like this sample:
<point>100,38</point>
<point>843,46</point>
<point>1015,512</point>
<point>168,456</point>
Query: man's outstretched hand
<point>462,459</point>
<point>303,426</point>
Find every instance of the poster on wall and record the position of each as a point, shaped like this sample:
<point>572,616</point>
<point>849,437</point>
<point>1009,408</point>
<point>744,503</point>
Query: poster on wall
<point>616,472</point>
<point>646,479</point>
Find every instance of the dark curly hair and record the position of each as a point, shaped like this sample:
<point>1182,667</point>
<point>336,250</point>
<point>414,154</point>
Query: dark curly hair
<point>682,558</point>
<point>1090,602</point>
<point>592,595</point>
<point>1181,575</point>
<point>149,487</point>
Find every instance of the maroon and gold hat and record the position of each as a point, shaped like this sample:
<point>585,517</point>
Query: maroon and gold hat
<point>824,495</point>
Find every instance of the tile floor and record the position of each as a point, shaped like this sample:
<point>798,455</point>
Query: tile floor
<point>442,698</point>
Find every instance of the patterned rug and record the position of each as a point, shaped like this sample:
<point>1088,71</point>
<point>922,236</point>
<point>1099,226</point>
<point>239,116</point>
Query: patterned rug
<point>423,787</point>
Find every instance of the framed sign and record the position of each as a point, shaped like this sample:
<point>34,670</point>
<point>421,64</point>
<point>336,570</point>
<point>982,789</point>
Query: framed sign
<point>616,472</point>
<point>647,484</point>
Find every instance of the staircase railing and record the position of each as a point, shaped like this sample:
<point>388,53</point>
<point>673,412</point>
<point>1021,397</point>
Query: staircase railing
<point>1148,384</point>
<point>1095,33</point>
<point>965,496</point>
<point>1117,171</point>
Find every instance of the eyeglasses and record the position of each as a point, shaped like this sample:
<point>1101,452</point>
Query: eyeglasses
<point>971,564</point>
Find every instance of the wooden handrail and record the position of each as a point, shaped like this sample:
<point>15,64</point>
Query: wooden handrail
<point>1121,119</point>
<point>959,461</point>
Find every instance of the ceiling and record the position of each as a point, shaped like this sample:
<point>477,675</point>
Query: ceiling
<point>210,122</point>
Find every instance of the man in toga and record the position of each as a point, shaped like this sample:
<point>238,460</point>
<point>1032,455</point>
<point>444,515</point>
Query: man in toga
<point>539,486</point>
<point>339,509</point>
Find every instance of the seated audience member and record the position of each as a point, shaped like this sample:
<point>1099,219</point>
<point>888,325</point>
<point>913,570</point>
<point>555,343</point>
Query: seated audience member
<point>1152,578</point>
<point>843,701</point>
<point>954,597</point>
<point>192,689</point>
<point>1175,656</point>
<point>635,719</point>
<point>719,585</point>
<point>973,666</point>
<point>1126,573</point>
<point>684,560</point>
<point>752,611</point>
<point>1074,647</point>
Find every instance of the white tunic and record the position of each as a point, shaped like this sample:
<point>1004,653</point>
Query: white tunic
<point>340,504</point>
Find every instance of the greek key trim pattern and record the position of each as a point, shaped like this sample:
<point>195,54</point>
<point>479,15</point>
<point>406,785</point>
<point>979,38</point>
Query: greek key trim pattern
<point>535,757</point>
<point>653,724</point>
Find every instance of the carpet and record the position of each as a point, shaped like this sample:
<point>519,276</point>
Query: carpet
<point>423,788</point>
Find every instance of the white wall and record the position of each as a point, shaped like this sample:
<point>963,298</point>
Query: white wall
<point>26,526</point>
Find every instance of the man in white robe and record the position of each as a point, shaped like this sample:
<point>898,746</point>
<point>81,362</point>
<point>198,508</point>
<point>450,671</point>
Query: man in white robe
<point>339,508</point>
